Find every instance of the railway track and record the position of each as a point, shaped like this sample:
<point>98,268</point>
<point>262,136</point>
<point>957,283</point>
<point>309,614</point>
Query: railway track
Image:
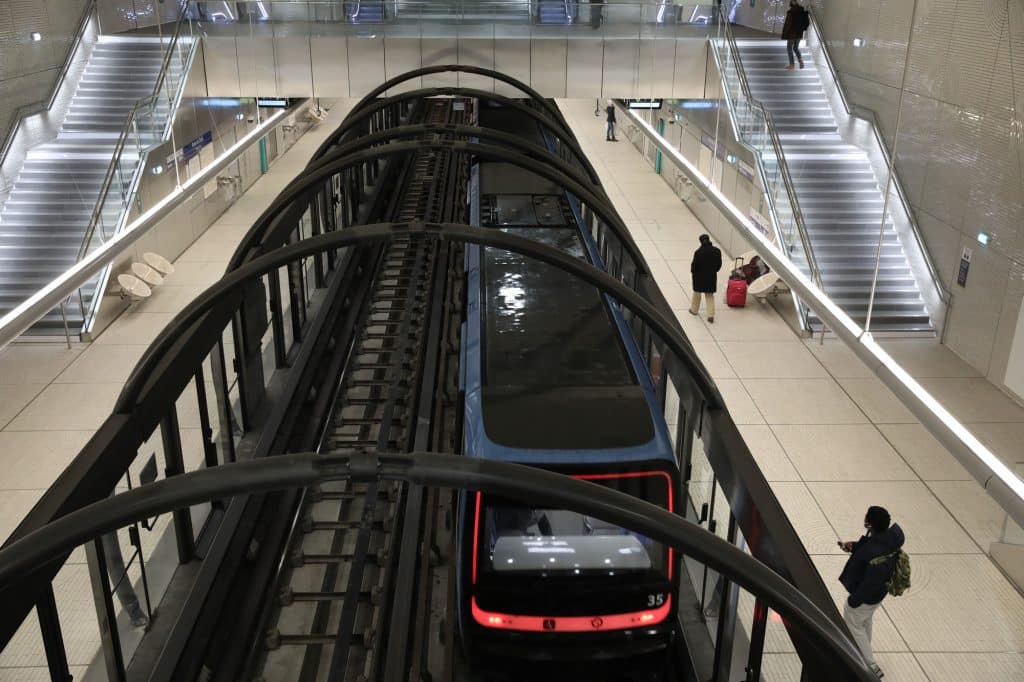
<point>337,579</point>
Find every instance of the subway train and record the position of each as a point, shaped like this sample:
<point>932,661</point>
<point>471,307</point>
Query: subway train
<point>552,377</point>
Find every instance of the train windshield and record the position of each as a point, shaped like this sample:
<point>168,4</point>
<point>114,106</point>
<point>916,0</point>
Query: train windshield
<point>517,539</point>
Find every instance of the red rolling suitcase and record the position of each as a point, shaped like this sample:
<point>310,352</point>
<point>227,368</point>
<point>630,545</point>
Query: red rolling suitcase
<point>736,293</point>
<point>736,290</point>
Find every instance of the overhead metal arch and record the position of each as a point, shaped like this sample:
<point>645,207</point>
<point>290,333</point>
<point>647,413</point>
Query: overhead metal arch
<point>355,117</point>
<point>158,357</point>
<point>532,485</point>
<point>597,204</point>
<point>462,68</point>
<point>482,132</point>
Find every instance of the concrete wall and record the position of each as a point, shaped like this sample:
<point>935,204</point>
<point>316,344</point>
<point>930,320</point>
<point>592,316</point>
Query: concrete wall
<point>28,69</point>
<point>958,147</point>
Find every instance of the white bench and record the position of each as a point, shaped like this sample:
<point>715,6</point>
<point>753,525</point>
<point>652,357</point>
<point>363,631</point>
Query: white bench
<point>765,285</point>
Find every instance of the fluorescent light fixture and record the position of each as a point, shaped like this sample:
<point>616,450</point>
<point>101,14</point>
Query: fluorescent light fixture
<point>239,116</point>
<point>157,169</point>
<point>730,158</point>
<point>858,42</point>
<point>983,238</point>
<point>36,36</point>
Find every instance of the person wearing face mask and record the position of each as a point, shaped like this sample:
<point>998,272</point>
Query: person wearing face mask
<point>797,21</point>
<point>867,574</point>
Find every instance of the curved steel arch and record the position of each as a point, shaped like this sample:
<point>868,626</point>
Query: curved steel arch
<point>355,117</point>
<point>462,68</point>
<point>172,335</point>
<point>445,128</point>
<point>516,481</point>
<point>597,204</point>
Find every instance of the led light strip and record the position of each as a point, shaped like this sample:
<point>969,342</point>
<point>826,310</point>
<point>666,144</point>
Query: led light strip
<point>14,323</point>
<point>998,480</point>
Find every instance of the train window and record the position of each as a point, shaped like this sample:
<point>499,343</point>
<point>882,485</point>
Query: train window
<point>532,540</point>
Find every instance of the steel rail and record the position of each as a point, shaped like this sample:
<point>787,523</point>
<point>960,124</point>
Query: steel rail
<point>161,352</point>
<point>783,166</point>
<point>871,118</point>
<point>464,68</point>
<point>535,486</point>
<point>548,169</point>
<point>14,323</point>
<point>27,110</point>
<point>998,480</point>
<point>509,138</point>
<point>131,125</point>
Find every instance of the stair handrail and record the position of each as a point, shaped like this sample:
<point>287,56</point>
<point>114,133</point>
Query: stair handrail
<point>26,110</point>
<point>130,126</point>
<point>787,180</point>
<point>869,116</point>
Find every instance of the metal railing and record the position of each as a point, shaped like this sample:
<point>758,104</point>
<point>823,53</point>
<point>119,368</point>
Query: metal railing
<point>144,114</point>
<point>254,390</point>
<point>756,130</point>
<point>27,110</point>
<point>998,480</point>
<point>871,118</point>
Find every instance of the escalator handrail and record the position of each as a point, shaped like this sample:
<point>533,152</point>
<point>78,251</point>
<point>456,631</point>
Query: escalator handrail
<point>780,155</point>
<point>57,539</point>
<point>26,110</point>
<point>160,353</point>
<point>130,126</point>
<point>871,118</point>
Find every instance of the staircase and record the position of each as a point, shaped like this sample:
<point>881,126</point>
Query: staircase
<point>365,12</point>
<point>556,13</point>
<point>45,220</point>
<point>838,192</point>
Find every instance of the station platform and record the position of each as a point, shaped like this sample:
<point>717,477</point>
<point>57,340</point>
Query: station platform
<point>833,440</point>
<point>829,436</point>
<point>52,399</point>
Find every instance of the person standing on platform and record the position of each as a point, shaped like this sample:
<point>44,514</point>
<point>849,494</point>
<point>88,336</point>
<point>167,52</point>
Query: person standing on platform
<point>707,261</point>
<point>595,13</point>
<point>797,21</point>
<point>610,112</point>
<point>866,576</point>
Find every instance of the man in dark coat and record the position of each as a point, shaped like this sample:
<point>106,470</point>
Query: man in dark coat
<point>797,21</point>
<point>866,574</point>
<point>707,261</point>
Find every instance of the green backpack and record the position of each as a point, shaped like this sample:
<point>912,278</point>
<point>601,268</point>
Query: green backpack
<point>899,581</point>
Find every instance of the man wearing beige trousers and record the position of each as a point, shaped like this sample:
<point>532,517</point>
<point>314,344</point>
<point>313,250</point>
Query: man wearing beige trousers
<point>707,261</point>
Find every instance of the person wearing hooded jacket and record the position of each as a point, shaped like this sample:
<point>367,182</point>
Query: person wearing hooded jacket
<point>866,574</point>
<point>797,21</point>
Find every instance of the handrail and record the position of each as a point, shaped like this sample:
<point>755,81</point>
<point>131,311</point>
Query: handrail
<point>27,110</point>
<point>130,126</point>
<point>783,167</point>
<point>869,116</point>
<point>529,484</point>
<point>14,323</point>
<point>998,480</point>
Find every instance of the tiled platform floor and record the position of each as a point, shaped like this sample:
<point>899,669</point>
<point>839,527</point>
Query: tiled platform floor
<point>962,621</point>
<point>833,440</point>
<point>52,399</point>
